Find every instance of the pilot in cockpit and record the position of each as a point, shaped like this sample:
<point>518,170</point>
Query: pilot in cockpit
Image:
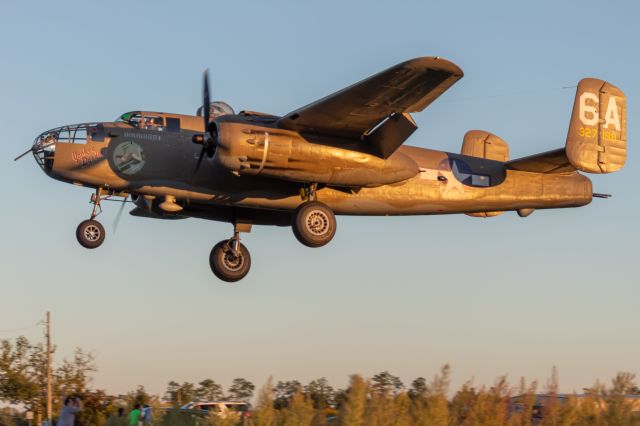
<point>150,123</point>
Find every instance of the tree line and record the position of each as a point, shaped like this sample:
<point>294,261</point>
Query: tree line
<point>380,400</point>
<point>208,390</point>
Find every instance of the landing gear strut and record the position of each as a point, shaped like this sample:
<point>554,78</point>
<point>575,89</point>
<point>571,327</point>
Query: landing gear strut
<point>230,259</point>
<point>90,233</point>
<point>313,222</point>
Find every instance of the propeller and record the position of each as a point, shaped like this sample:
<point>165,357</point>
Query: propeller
<point>208,139</point>
<point>206,99</point>
<point>116,220</point>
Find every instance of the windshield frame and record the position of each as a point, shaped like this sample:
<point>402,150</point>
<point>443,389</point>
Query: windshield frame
<point>132,118</point>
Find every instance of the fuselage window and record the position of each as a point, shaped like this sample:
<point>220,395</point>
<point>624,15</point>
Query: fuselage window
<point>97,133</point>
<point>465,175</point>
<point>71,134</point>
<point>480,180</point>
<point>173,124</point>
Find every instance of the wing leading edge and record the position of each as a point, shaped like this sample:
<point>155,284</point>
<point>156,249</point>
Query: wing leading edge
<point>350,113</point>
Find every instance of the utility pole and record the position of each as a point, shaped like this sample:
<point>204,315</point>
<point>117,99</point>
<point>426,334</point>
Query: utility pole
<point>49,407</point>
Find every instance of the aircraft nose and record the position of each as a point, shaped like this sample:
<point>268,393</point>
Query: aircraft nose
<point>44,149</point>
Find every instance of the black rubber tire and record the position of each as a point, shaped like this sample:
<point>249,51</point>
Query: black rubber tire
<point>314,224</point>
<point>225,266</point>
<point>90,234</point>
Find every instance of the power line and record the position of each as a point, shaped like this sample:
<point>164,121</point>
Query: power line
<point>516,93</point>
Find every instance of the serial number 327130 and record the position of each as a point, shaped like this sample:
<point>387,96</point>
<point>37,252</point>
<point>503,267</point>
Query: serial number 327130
<point>592,133</point>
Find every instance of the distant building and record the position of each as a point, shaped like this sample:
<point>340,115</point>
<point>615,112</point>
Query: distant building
<point>517,404</point>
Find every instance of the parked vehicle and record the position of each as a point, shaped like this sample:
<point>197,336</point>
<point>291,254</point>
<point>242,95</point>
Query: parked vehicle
<point>221,409</point>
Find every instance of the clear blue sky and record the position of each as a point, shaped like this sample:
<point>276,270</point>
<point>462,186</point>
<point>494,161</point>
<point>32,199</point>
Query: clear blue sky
<point>499,296</point>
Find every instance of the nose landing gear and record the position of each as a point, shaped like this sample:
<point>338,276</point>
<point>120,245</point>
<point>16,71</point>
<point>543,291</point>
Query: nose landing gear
<point>230,259</point>
<point>90,233</point>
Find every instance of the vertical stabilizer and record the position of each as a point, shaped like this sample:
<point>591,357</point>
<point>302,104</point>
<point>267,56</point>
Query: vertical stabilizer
<point>597,138</point>
<point>482,144</point>
<point>478,143</point>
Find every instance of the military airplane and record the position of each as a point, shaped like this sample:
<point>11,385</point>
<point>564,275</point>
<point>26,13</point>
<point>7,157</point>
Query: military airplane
<point>340,155</point>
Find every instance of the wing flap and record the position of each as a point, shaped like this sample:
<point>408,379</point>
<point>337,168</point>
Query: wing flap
<point>392,133</point>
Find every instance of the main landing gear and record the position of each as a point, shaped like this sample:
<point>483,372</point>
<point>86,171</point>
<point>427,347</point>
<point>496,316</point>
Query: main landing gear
<point>313,223</point>
<point>229,259</point>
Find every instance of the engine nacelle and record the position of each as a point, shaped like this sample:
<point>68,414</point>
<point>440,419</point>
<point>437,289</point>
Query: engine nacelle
<point>249,150</point>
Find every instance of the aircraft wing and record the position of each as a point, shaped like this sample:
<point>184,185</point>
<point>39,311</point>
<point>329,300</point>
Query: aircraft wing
<point>555,161</point>
<point>352,112</point>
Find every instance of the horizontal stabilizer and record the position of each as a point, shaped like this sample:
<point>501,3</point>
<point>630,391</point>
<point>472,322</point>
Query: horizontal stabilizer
<point>484,214</point>
<point>555,161</point>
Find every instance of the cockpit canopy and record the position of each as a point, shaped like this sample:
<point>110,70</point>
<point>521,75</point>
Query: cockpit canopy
<point>217,109</point>
<point>144,120</point>
<point>150,121</point>
<point>134,118</point>
<point>161,121</point>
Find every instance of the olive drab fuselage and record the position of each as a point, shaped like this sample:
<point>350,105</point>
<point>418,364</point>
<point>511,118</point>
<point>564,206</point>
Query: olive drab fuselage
<point>257,167</point>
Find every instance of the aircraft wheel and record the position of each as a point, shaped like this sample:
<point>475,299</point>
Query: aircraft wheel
<point>227,266</point>
<point>314,224</point>
<point>90,234</point>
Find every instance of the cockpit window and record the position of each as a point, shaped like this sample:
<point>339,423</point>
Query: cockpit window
<point>133,118</point>
<point>152,122</point>
<point>144,121</point>
<point>173,124</point>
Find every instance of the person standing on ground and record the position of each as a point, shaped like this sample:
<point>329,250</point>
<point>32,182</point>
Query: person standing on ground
<point>69,411</point>
<point>134,416</point>
<point>147,415</point>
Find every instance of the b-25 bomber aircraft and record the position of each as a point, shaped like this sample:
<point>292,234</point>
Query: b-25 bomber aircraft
<point>340,155</point>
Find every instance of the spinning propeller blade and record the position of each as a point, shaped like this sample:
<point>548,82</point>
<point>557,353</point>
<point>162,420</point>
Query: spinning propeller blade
<point>202,153</point>
<point>206,100</point>
<point>116,221</point>
<point>207,142</point>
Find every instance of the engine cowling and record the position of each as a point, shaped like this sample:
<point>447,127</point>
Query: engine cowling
<point>251,150</point>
